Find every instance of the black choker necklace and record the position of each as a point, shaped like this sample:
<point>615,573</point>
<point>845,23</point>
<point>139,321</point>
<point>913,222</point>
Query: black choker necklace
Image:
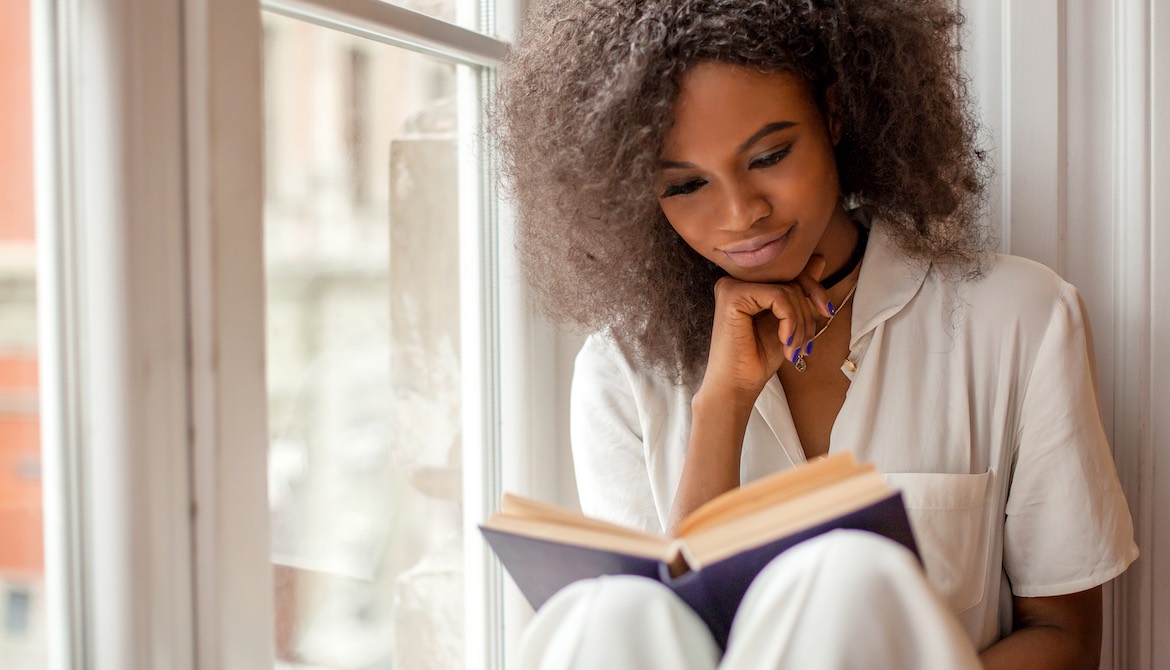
<point>851,264</point>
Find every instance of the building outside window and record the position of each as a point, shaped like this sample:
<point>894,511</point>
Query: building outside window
<point>363,281</point>
<point>377,305</point>
<point>22,603</point>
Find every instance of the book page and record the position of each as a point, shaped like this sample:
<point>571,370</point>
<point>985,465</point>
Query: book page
<point>771,490</point>
<point>645,546</point>
<point>770,523</point>
<point>518,506</point>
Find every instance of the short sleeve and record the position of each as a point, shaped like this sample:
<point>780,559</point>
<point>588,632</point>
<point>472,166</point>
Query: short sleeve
<point>609,457</point>
<point>1067,526</point>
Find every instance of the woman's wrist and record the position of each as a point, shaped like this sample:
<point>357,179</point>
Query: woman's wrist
<point>719,402</point>
<point>718,423</point>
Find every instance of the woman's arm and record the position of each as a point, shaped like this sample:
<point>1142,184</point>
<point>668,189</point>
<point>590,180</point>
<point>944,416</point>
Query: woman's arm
<point>1058,633</point>
<point>756,327</point>
<point>1066,519</point>
<point>719,421</point>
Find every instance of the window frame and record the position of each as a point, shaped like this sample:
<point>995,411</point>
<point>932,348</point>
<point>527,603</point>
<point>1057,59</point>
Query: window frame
<point>152,336</point>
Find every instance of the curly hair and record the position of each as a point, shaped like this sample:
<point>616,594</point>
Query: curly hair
<point>586,98</point>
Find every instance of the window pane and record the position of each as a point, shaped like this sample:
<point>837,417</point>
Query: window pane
<point>22,602</point>
<point>460,12</point>
<point>363,351</point>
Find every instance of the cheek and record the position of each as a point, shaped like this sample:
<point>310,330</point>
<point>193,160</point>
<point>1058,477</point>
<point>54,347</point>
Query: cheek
<point>681,218</point>
<point>805,189</point>
<point>689,226</point>
<point>825,173</point>
<point>685,230</point>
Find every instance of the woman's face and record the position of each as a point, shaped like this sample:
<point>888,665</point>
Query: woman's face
<point>748,176</point>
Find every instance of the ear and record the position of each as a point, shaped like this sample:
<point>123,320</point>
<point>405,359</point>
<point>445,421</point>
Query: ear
<point>833,114</point>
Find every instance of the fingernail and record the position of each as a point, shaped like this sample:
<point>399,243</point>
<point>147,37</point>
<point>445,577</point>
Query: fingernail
<point>789,342</point>
<point>795,356</point>
<point>832,310</point>
<point>808,349</point>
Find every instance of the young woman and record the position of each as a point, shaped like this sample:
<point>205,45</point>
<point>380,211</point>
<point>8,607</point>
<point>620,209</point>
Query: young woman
<point>767,213</point>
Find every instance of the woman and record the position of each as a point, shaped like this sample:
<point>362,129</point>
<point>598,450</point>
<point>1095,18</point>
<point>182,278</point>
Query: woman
<point>767,213</point>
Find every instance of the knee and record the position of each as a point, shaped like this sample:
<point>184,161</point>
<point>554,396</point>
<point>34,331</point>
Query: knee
<point>865,550</point>
<point>617,622</point>
<point>853,556</point>
<point>621,602</point>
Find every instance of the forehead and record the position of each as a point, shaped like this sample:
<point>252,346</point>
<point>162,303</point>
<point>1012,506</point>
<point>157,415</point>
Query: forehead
<point>725,99</point>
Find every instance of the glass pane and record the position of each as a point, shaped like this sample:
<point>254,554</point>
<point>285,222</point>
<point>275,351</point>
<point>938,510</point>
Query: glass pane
<point>460,12</point>
<point>363,352</point>
<point>22,600</point>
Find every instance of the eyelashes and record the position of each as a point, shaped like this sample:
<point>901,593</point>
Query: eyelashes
<point>770,159</point>
<point>692,185</point>
<point>685,188</point>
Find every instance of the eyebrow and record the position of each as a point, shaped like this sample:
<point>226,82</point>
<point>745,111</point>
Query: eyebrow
<point>775,126</point>
<point>768,129</point>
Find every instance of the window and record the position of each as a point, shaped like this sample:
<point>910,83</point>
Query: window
<point>383,320</point>
<point>364,374</point>
<point>458,12</point>
<point>277,397</point>
<point>22,601</point>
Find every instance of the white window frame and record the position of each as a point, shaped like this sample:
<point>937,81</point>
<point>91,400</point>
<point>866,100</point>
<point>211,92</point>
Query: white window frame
<point>151,303</point>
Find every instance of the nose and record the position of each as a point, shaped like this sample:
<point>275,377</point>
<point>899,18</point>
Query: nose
<point>745,205</point>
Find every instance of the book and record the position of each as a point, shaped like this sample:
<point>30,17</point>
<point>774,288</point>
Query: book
<point>719,548</point>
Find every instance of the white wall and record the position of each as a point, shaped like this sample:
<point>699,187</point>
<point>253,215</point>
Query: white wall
<point>1070,90</point>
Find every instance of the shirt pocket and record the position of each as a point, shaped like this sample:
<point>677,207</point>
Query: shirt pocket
<point>949,516</point>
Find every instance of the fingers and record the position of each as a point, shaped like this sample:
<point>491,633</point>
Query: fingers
<point>815,267</point>
<point>810,281</point>
<point>816,294</point>
<point>795,313</point>
<point>739,303</point>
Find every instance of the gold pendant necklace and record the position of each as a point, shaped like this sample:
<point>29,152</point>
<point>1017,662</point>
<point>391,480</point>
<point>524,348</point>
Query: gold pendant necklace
<point>800,365</point>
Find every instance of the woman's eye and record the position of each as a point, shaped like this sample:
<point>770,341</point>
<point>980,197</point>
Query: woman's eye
<point>769,160</point>
<point>685,188</point>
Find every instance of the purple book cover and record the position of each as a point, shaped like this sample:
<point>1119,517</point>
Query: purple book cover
<point>540,568</point>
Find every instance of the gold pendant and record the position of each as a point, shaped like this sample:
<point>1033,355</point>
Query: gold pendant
<point>800,365</point>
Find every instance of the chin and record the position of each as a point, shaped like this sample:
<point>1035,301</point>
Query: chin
<point>767,274</point>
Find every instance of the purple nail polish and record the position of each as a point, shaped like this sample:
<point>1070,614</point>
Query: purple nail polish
<point>795,356</point>
<point>808,349</point>
<point>832,310</point>
<point>789,342</point>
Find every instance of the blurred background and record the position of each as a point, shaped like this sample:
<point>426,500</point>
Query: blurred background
<point>22,606</point>
<point>362,276</point>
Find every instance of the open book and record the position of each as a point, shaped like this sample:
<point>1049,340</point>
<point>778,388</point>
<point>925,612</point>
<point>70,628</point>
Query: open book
<point>720,547</point>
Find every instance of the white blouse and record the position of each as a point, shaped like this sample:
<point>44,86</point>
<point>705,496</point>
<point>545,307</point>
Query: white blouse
<point>977,399</point>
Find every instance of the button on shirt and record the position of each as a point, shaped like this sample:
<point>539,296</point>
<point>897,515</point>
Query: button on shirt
<point>976,398</point>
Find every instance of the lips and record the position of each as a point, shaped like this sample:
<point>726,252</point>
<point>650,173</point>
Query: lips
<point>757,251</point>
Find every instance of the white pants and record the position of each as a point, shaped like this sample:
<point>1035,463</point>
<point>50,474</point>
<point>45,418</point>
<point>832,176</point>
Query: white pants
<point>846,599</point>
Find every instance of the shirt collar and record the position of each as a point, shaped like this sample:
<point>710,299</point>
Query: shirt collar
<point>889,279</point>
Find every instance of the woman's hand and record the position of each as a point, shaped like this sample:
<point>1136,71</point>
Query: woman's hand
<point>759,326</point>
